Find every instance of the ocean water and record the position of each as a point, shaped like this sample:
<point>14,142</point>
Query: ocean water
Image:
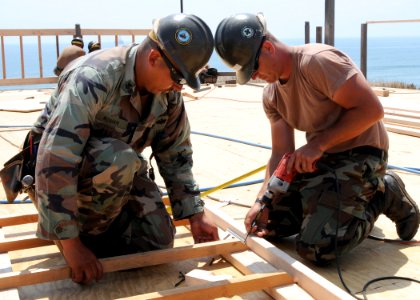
<point>390,59</point>
<point>393,59</point>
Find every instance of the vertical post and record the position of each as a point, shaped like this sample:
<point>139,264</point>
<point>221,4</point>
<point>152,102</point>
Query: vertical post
<point>77,30</point>
<point>363,49</point>
<point>41,73</point>
<point>22,58</point>
<point>3,58</point>
<point>57,45</point>
<point>307,33</point>
<point>329,22</point>
<point>182,6</point>
<point>319,34</point>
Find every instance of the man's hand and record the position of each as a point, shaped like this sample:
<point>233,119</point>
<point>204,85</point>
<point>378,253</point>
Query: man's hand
<point>260,227</point>
<point>203,229</point>
<point>85,267</point>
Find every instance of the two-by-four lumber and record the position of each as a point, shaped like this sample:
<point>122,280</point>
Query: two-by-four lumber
<point>402,130</point>
<point>403,121</point>
<point>26,242</point>
<point>313,283</point>
<point>223,288</point>
<point>6,266</point>
<point>12,220</point>
<point>31,218</point>
<point>125,262</point>
<point>247,262</point>
<point>415,114</point>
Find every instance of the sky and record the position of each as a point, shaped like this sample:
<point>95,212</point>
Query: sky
<point>285,18</point>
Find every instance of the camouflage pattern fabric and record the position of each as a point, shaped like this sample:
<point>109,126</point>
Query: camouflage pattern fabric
<point>94,129</point>
<point>312,206</point>
<point>116,186</point>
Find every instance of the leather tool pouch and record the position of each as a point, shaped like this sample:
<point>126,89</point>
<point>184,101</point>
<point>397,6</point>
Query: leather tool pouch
<point>18,166</point>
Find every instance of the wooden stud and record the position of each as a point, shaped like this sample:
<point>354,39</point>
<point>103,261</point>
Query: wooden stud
<point>12,220</point>
<point>32,218</point>
<point>23,243</point>
<point>247,262</point>
<point>125,262</point>
<point>316,285</point>
<point>224,288</point>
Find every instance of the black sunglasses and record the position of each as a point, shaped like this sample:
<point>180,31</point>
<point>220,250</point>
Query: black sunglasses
<point>257,56</point>
<point>176,76</point>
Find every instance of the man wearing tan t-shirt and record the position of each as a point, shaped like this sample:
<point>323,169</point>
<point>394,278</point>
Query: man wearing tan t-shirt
<point>317,89</point>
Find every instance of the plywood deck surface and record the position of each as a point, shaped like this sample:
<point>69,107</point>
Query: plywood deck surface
<point>233,112</point>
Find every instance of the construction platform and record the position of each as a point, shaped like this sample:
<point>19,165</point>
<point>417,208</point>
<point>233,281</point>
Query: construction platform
<point>231,137</point>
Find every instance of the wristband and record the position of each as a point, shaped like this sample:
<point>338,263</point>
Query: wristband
<point>260,201</point>
<point>267,204</point>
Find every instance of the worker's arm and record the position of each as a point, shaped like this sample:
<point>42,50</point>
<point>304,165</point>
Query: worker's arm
<point>203,228</point>
<point>173,153</point>
<point>57,170</point>
<point>282,140</point>
<point>85,267</point>
<point>362,110</point>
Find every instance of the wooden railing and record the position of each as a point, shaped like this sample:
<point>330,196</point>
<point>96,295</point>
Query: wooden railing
<point>364,40</point>
<point>22,34</point>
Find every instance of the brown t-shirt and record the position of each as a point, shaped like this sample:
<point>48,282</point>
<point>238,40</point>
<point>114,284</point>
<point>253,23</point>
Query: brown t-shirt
<point>304,101</point>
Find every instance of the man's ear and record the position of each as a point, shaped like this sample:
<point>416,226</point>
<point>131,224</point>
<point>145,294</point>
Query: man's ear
<point>154,55</point>
<point>268,45</point>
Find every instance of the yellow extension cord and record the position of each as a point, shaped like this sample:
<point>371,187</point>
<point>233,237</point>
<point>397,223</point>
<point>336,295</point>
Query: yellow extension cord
<point>219,187</point>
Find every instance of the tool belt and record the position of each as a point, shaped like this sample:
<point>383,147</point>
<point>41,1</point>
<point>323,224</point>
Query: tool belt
<point>18,173</point>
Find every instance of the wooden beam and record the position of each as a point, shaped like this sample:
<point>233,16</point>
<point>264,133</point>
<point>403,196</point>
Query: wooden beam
<point>329,22</point>
<point>316,285</point>
<point>247,262</point>
<point>382,92</point>
<point>403,121</point>
<point>6,266</point>
<point>394,21</point>
<point>402,112</point>
<point>402,130</point>
<point>23,243</point>
<point>223,288</point>
<point>12,220</point>
<point>32,218</point>
<point>125,262</point>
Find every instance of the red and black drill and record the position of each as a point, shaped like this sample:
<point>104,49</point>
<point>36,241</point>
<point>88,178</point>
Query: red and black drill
<point>278,183</point>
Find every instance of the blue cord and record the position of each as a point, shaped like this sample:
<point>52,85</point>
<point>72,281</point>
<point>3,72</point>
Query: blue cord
<point>407,169</point>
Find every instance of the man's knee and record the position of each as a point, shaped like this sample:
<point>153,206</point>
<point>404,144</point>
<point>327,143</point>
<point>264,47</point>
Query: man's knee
<point>152,233</point>
<point>323,246</point>
<point>320,253</point>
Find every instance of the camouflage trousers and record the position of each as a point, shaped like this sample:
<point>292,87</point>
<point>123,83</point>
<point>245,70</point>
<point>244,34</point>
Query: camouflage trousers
<point>120,208</point>
<point>330,209</point>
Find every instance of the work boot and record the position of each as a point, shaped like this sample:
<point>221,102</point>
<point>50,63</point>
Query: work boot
<point>400,207</point>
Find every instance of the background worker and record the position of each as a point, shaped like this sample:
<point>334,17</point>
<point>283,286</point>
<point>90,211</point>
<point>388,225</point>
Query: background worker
<point>94,190</point>
<point>317,89</point>
<point>93,46</point>
<point>69,54</point>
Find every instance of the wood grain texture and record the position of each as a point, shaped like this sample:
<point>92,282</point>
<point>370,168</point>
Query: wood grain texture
<point>223,288</point>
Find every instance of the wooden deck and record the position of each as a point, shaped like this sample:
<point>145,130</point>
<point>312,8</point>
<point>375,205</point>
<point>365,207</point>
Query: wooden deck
<point>233,112</point>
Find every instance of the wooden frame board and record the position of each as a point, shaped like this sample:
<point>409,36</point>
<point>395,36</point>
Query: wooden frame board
<point>264,265</point>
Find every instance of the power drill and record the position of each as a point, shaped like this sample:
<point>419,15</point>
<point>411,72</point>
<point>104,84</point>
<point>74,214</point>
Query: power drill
<point>280,180</point>
<point>278,183</point>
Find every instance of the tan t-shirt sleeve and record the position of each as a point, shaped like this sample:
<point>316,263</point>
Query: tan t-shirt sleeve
<point>328,70</point>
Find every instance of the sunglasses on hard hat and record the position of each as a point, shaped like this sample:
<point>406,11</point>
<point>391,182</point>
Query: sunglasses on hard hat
<point>257,57</point>
<point>176,76</point>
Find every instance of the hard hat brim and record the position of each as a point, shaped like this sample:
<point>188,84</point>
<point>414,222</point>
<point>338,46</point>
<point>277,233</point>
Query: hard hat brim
<point>244,74</point>
<point>193,82</point>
